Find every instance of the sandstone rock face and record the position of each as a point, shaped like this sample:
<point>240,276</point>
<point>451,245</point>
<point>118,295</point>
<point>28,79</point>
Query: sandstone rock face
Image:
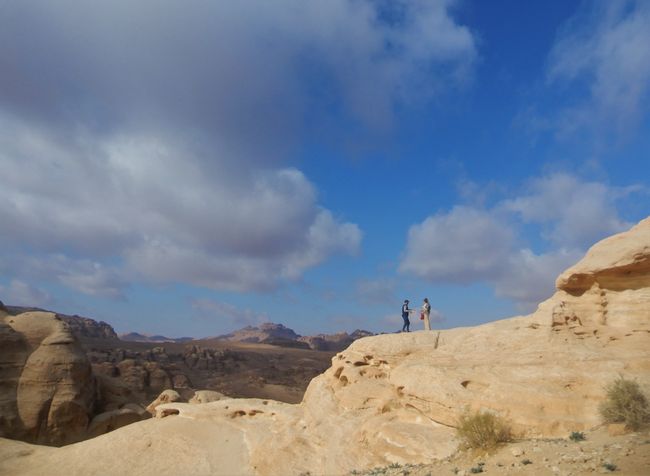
<point>47,391</point>
<point>396,398</point>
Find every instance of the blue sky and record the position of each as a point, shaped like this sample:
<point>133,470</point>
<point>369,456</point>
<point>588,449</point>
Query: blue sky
<point>188,168</point>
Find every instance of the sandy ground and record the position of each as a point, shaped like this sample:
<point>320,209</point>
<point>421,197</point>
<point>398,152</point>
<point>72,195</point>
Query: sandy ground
<point>628,454</point>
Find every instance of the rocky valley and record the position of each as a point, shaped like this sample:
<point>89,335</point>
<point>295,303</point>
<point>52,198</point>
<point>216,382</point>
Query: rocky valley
<point>389,401</point>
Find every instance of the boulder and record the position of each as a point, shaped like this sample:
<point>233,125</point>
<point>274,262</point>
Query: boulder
<point>206,396</point>
<point>167,396</point>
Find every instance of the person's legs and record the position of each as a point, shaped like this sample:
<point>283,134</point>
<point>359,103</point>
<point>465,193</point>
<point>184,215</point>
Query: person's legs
<point>427,323</point>
<point>408,325</point>
<point>405,325</point>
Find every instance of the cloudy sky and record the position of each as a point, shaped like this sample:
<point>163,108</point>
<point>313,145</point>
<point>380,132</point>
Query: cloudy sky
<point>188,168</point>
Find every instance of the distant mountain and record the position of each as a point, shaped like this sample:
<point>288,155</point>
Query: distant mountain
<point>137,337</point>
<point>265,332</point>
<point>278,334</point>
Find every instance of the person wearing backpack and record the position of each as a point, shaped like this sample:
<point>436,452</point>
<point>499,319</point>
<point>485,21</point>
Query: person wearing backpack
<point>425,313</point>
<point>405,316</point>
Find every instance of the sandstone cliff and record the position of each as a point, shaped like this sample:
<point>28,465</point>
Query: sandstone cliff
<point>396,398</point>
<point>47,389</point>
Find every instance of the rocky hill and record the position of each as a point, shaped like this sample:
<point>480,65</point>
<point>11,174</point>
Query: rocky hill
<point>278,334</point>
<point>395,399</point>
<point>261,333</point>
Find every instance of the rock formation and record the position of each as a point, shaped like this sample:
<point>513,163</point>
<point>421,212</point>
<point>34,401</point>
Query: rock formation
<point>47,391</point>
<point>396,398</point>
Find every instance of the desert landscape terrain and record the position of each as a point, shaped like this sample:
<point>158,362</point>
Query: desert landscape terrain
<point>389,403</point>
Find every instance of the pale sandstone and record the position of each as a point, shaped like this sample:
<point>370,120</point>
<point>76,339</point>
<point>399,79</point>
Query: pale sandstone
<point>396,398</point>
<point>112,420</point>
<point>206,396</point>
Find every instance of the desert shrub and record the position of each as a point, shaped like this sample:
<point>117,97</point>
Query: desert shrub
<point>482,430</point>
<point>610,466</point>
<point>526,462</point>
<point>577,436</point>
<point>476,469</point>
<point>625,403</point>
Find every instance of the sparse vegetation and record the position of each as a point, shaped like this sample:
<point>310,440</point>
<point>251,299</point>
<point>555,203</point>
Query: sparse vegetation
<point>526,462</point>
<point>577,436</point>
<point>482,430</point>
<point>610,466</point>
<point>476,469</point>
<point>625,403</point>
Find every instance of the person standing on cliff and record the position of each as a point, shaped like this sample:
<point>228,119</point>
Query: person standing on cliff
<point>425,313</point>
<point>405,316</point>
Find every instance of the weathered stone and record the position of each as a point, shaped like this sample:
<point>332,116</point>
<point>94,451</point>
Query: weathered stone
<point>167,396</point>
<point>206,396</point>
<point>48,390</point>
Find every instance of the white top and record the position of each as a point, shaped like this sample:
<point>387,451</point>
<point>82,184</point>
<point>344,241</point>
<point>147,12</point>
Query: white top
<point>426,308</point>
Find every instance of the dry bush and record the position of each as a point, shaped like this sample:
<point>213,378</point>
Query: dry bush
<point>482,430</point>
<point>625,404</point>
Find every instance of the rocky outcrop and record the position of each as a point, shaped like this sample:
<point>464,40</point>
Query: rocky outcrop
<point>167,396</point>
<point>81,327</point>
<point>48,391</point>
<point>397,398</point>
<point>206,396</point>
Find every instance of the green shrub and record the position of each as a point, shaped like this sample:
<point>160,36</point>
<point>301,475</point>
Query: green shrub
<point>577,436</point>
<point>482,430</point>
<point>625,404</point>
<point>476,469</point>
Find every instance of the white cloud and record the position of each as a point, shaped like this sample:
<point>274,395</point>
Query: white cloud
<point>470,245</point>
<point>462,246</point>
<point>82,275</point>
<point>527,278</point>
<point>211,308</point>
<point>19,293</point>
<point>162,214</point>
<point>376,291</point>
<point>160,153</point>
<point>575,213</point>
<point>606,46</point>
